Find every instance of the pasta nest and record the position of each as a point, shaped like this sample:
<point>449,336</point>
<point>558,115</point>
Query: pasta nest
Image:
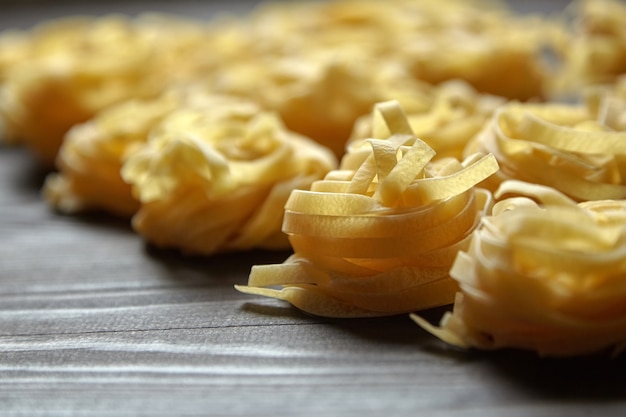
<point>215,178</point>
<point>378,235</point>
<point>542,273</point>
<point>578,149</point>
<point>72,68</point>
<point>317,96</point>
<point>91,156</point>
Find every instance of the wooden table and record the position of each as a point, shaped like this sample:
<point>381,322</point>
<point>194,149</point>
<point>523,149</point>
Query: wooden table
<point>95,322</point>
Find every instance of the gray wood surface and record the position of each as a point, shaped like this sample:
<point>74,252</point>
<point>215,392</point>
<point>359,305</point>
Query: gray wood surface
<point>94,322</point>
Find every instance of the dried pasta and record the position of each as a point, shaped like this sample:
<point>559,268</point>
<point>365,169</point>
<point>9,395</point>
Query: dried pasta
<point>320,65</point>
<point>225,136</point>
<point>377,236</point>
<point>578,149</point>
<point>92,154</point>
<point>215,178</point>
<point>542,273</point>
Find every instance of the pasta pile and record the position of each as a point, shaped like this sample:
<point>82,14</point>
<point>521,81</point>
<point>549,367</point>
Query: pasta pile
<point>93,153</point>
<point>317,97</point>
<point>378,236</point>
<point>545,270</point>
<point>319,66</point>
<point>542,273</point>
<point>214,177</point>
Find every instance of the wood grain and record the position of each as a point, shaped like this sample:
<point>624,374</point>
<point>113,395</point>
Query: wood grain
<point>94,322</point>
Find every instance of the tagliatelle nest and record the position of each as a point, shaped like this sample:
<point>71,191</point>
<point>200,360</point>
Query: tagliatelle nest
<point>216,178</point>
<point>579,150</point>
<point>377,236</point>
<point>496,53</point>
<point>542,273</point>
<point>72,68</point>
<point>319,98</point>
<point>92,154</point>
<point>321,94</point>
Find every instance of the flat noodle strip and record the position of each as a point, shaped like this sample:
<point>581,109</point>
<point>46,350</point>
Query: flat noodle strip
<point>571,139</point>
<point>392,186</point>
<point>541,193</point>
<point>454,184</point>
<point>394,118</point>
<point>330,204</point>
<point>290,273</point>
<point>373,226</point>
<point>311,300</point>
<point>363,177</point>
<point>399,245</point>
<point>575,187</point>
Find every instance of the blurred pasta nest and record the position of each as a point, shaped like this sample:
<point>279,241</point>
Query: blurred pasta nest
<point>64,72</point>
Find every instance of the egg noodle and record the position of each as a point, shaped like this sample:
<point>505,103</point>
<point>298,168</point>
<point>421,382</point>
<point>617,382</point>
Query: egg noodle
<point>541,273</point>
<point>378,236</point>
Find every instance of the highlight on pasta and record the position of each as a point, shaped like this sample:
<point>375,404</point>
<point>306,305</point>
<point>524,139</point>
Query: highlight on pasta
<point>542,273</point>
<point>378,235</point>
